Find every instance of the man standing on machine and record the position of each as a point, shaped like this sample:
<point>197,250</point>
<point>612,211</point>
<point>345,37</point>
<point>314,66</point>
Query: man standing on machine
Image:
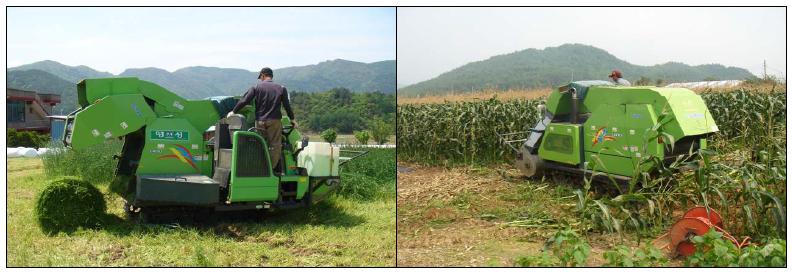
<point>616,77</point>
<point>269,97</point>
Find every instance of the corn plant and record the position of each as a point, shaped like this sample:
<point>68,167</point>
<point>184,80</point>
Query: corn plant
<point>742,173</point>
<point>461,132</point>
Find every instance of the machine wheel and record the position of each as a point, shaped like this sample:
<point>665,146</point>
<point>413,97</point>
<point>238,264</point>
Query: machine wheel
<point>530,165</point>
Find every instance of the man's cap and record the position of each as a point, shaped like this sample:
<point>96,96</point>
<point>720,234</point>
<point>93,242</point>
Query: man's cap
<point>265,71</point>
<point>615,73</point>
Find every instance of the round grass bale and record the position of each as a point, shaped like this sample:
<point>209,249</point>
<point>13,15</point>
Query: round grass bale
<point>68,203</point>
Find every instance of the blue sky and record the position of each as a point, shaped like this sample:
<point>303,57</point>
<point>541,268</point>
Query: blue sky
<point>113,39</point>
<point>435,40</point>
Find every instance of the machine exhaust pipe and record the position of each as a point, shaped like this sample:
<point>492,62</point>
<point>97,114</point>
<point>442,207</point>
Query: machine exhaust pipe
<point>573,115</point>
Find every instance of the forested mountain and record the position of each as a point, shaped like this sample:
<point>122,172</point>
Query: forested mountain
<point>555,66</point>
<point>201,82</point>
<point>68,73</point>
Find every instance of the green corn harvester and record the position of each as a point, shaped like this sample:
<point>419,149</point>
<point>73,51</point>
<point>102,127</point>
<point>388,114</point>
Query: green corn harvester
<point>591,126</point>
<point>184,154</point>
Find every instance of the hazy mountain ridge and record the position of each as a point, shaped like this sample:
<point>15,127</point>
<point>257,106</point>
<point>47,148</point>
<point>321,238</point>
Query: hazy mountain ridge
<point>200,82</point>
<point>554,66</point>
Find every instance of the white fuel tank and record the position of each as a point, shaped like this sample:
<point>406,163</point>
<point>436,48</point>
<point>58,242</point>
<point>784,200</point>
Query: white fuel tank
<point>320,159</point>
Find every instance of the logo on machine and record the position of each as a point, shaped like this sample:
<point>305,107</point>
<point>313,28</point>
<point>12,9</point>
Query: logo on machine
<point>137,111</point>
<point>602,136</point>
<point>181,153</point>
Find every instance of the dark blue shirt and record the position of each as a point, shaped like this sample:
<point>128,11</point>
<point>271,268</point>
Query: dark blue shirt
<point>268,98</point>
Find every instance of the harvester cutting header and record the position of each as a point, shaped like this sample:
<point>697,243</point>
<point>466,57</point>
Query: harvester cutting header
<point>592,126</point>
<point>186,153</point>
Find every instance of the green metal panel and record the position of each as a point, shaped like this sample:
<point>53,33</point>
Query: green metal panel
<point>690,112</point>
<point>687,112</point>
<point>620,118</point>
<point>294,140</point>
<point>322,190</point>
<point>302,184</point>
<point>561,143</point>
<point>294,137</point>
<point>604,131</point>
<point>621,134</point>
<point>604,137</point>
<point>185,154</point>
<point>608,163</point>
<point>643,141</point>
<point>560,103</point>
<point>177,190</point>
<point>201,113</point>
<point>252,188</point>
<point>90,90</point>
<point>110,117</point>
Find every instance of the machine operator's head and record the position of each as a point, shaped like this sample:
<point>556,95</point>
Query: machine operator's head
<point>615,75</point>
<point>265,74</point>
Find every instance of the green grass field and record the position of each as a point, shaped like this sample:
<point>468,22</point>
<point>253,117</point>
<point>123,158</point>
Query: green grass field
<point>342,231</point>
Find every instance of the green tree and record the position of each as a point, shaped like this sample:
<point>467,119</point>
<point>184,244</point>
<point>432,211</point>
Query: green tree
<point>381,131</point>
<point>362,137</point>
<point>329,135</point>
<point>643,81</point>
<point>29,139</point>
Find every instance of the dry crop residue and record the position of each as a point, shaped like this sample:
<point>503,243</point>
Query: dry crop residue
<point>459,216</point>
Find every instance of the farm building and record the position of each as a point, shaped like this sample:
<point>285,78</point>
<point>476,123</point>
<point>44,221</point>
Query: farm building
<point>28,110</point>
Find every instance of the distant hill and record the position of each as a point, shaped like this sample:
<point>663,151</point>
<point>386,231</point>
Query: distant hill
<point>68,73</point>
<point>554,66</point>
<point>44,82</point>
<point>200,82</point>
<point>182,85</point>
<point>355,76</point>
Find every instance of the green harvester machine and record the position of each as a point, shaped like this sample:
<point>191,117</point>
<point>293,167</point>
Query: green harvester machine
<point>185,156</point>
<point>594,126</point>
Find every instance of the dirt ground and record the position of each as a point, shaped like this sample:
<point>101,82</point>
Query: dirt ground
<point>461,216</point>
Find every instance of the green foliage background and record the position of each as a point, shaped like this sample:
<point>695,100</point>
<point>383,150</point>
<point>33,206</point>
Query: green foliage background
<point>28,139</point>
<point>343,110</point>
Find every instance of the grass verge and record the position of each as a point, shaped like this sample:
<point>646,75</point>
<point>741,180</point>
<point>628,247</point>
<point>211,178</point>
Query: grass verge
<point>339,232</point>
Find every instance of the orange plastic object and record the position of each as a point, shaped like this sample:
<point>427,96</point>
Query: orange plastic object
<point>701,212</point>
<point>696,222</point>
<point>683,230</point>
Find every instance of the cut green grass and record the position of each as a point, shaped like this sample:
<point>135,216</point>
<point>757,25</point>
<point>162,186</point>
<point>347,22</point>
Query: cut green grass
<point>338,232</point>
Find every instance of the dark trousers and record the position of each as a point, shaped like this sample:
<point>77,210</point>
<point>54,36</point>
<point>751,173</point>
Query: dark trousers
<point>271,130</point>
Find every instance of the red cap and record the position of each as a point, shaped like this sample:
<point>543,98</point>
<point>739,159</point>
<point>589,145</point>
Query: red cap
<point>615,73</point>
